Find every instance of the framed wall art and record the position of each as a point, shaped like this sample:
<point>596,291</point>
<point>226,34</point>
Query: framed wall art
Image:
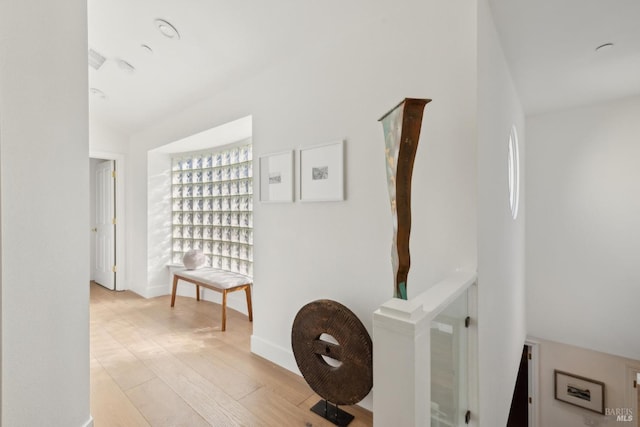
<point>322,172</point>
<point>579,391</point>
<point>276,177</point>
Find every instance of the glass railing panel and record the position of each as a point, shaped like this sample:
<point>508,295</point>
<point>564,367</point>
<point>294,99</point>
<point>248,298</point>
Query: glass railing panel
<point>449,361</point>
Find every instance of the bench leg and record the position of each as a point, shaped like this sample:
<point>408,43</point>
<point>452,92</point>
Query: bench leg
<point>197,293</point>
<point>224,310</point>
<point>173,291</point>
<point>247,290</point>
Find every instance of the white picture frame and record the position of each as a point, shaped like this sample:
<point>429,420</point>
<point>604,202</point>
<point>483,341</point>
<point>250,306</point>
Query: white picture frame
<point>322,172</point>
<point>276,177</point>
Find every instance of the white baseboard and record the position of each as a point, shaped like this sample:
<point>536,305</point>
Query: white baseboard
<point>157,291</point>
<point>274,353</point>
<point>89,422</point>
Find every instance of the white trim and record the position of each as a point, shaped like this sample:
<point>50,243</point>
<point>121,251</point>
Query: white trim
<point>121,255</point>
<point>401,333</point>
<point>630,393</point>
<point>157,291</point>
<point>89,422</point>
<point>274,353</point>
<point>473,370</point>
<point>533,369</point>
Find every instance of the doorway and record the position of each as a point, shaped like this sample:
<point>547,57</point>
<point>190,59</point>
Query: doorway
<point>106,212</point>
<point>103,222</point>
<point>632,395</point>
<point>519,413</point>
<point>524,402</point>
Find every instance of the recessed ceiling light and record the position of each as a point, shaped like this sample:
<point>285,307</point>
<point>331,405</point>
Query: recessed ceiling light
<point>96,59</point>
<point>146,48</point>
<point>97,93</point>
<point>167,29</point>
<point>605,46</point>
<point>125,66</point>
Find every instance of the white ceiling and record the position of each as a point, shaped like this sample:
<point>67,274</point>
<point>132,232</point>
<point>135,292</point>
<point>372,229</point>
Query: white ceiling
<point>222,43</point>
<point>550,45</point>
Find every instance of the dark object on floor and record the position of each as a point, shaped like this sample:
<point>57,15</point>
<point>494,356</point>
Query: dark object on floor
<point>340,373</point>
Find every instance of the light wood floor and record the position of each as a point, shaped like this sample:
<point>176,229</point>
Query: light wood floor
<point>156,366</point>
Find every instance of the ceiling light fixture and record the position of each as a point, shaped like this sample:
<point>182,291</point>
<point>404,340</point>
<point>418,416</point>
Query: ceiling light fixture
<point>97,93</point>
<point>146,48</point>
<point>605,46</point>
<point>125,66</point>
<point>167,29</point>
<point>96,59</point>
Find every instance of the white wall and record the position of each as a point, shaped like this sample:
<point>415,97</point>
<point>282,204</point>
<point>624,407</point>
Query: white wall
<point>306,251</point>
<point>583,227</point>
<point>44,163</point>
<point>501,239</point>
<point>105,138</point>
<point>611,370</point>
<point>159,225</point>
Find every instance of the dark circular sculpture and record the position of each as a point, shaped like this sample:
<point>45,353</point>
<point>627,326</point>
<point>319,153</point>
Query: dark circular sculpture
<point>352,380</point>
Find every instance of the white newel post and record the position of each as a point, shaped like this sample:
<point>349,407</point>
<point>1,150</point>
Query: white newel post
<point>401,365</point>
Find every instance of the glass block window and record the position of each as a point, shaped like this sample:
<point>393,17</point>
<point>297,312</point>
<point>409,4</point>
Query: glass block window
<point>212,199</point>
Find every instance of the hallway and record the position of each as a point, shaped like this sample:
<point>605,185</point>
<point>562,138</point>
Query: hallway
<point>156,366</point>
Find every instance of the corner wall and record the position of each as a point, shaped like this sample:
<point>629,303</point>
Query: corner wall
<point>341,250</point>
<point>583,227</point>
<point>44,163</point>
<point>501,239</point>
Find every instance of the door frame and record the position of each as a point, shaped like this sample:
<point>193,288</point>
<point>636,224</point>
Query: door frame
<point>631,393</point>
<point>119,164</point>
<point>533,369</point>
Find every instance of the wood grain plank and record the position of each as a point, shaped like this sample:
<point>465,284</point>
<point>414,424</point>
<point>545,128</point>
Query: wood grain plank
<point>125,369</point>
<point>274,410</point>
<point>153,365</point>
<point>163,407</point>
<point>110,406</point>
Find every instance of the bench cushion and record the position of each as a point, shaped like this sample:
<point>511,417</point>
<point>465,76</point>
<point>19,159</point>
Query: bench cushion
<point>217,278</point>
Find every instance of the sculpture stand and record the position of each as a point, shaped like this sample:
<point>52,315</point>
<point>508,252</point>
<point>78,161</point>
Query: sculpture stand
<point>334,353</point>
<point>332,413</point>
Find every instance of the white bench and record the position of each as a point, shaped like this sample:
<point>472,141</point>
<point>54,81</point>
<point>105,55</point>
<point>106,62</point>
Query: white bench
<point>218,280</point>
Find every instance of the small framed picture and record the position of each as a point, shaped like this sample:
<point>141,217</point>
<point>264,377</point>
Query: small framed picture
<point>579,391</point>
<point>276,177</point>
<point>322,172</point>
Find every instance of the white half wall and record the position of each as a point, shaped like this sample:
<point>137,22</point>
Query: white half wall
<point>44,154</point>
<point>501,239</point>
<point>583,227</point>
<point>341,250</point>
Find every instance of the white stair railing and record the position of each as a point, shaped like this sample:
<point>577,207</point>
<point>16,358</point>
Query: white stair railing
<point>405,335</point>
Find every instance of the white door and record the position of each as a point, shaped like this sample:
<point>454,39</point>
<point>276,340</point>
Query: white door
<point>636,413</point>
<point>105,228</point>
